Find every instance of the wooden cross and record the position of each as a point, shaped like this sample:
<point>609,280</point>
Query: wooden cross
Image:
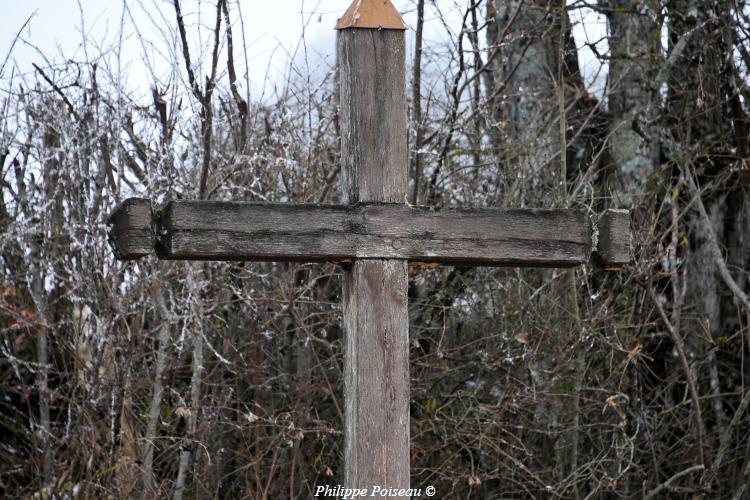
<point>375,234</point>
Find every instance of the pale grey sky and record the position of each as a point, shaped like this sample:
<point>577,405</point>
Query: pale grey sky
<point>273,30</point>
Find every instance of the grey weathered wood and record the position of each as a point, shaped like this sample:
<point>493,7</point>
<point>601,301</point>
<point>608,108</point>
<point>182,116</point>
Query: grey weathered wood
<point>376,320</point>
<point>491,237</point>
<point>613,248</point>
<point>373,115</point>
<point>192,230</point>
<point>130,233</point>
<point>376,374</point>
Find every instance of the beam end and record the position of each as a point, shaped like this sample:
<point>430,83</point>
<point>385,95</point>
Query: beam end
<point>613,248</point>
<point>130,233</point>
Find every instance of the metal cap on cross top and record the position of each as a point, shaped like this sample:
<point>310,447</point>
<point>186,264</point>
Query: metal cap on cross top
<point>371,14</point>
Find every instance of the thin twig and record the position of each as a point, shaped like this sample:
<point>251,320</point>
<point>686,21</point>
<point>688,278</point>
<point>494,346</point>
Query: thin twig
<point>726,276</point>
<point>416,103</point>
<point>13,43</point>
<point>59,91</point>
<point>726,436</point>
<point>673,327</point>
<point>186,52</point>
<point>242,107</point>
<point>666,484</point>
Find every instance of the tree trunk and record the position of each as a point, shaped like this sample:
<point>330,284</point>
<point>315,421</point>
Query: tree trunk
<point>154,412</point>
<point>634,45</point>
<point>534,83</point>
<point>700,141</point>
<point>525,127</point>
<point>196,317</point>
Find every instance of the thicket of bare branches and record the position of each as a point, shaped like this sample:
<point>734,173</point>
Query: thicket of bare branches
<point>152,379</point>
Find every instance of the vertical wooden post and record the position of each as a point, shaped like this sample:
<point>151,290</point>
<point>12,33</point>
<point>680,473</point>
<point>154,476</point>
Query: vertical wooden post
<point>371,56</point>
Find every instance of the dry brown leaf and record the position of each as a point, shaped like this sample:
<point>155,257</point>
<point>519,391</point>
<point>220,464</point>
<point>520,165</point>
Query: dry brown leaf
<point>522,337</point>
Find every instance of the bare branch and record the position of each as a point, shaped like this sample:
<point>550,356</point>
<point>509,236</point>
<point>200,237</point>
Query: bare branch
<point>242,107</point>
<point>13,43</point>
<point>59,91</point>
<point>666,484</point>
<point>721,264</point>
<point>186,52</point>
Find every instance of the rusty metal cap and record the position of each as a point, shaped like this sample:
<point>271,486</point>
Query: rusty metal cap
<point>372,14</point>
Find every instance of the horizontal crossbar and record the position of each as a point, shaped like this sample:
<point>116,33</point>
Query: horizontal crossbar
<point>203,230</point>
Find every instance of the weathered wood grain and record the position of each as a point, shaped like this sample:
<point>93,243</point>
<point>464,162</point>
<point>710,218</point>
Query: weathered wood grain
<point>613,248</point>
<point>373,115</point>
<point>491,237</point>
<point>374,168</point>
<point>130,233</point>
<point>376,374</point>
